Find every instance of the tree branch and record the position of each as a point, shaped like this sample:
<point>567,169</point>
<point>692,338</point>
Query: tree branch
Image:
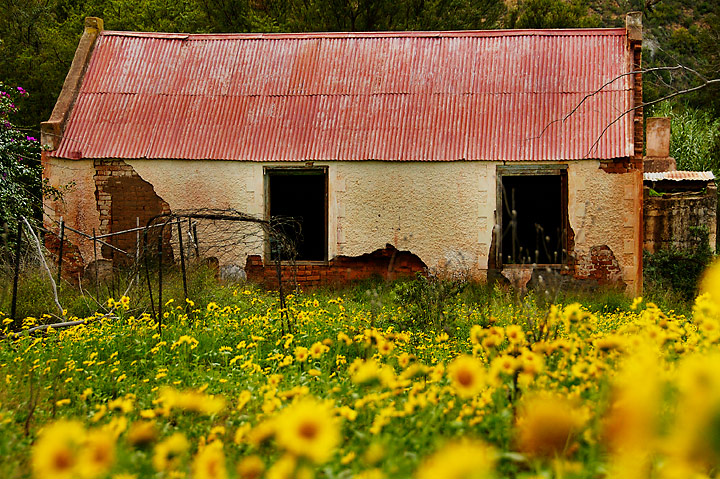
<point>610,82</point>
<point>44,263</point>
<point>649,103</point>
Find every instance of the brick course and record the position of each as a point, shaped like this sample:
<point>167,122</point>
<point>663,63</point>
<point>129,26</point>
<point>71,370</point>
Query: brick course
<point>387,263</point>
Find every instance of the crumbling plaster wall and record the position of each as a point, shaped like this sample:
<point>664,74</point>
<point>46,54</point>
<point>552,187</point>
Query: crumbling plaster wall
<point>441,211</point>
<point>78,207</point>
<point>604,209</point>
<point>195,184</point>
<point>438,211</point>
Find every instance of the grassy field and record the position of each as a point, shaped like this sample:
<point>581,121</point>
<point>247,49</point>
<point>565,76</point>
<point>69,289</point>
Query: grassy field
<point>369,383</point>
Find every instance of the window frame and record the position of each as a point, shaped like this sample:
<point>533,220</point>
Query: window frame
<point>532,170</point>
<point>296,170</point>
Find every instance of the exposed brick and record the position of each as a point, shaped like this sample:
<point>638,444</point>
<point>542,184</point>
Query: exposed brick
<point>340,270</point>
<point>122,197</point>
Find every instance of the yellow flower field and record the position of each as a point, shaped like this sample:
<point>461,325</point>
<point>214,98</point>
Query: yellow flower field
<point>525,392</point>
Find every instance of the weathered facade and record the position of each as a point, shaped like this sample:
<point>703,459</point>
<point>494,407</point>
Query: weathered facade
<point>473,151</point>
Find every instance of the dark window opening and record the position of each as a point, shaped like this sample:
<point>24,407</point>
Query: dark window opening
<point>300,195</point>
<point>534,214</point>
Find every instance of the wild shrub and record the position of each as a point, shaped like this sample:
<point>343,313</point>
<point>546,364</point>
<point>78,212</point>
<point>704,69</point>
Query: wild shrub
<point>679,269</point>
<point>429,302</point>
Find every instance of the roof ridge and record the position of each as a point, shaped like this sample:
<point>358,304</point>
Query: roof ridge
<point>360,35</point>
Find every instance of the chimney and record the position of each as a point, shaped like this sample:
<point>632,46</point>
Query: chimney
<point>657,146</point>
<point>633,25</point>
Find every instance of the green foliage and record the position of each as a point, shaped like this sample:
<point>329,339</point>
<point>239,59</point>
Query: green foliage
<point>682,33</point>
<point>695,139</point>
<point>676,269</point>
<point>551,14</point>
<point>21,187</point>
<point>19,160</point>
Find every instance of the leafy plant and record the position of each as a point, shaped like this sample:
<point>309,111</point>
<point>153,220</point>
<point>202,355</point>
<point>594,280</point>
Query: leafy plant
<point>679,269</point>
<point>429,302</point>
<point>21,184</point>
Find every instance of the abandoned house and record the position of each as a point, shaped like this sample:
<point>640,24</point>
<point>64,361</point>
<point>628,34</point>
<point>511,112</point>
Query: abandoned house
<point>486,152</point>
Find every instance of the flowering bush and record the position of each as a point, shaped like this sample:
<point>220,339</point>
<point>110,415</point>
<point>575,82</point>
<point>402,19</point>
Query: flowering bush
<point>21,184</point>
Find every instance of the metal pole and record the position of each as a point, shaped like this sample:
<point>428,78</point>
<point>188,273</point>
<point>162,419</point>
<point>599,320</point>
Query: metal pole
<point>13,306</point>
<point>137,250</point>
<point>160,279</point>
<point>278,271</point>
<point>146,259</point>
<point>182,261</point>
<point>97,280</point>
<point>60,250</point>
<point>197,246</point>
<point>192,240</point>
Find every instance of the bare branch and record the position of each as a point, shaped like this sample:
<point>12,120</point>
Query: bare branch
<point>611,81</point>
<point>44,263</point>
<point>648,103</point>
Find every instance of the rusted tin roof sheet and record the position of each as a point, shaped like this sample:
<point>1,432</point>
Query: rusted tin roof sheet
<point>410,96</point>
<point>680,176</point>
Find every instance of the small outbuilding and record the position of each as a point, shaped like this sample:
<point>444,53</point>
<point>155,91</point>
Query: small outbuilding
<point>492,153</point>
<point>679,207</point>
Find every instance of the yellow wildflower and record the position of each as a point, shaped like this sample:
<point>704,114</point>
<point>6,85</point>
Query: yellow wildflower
<point>168,453</point>
<point>55,454</point>
<point>210,462</point>
<point>308,428</point>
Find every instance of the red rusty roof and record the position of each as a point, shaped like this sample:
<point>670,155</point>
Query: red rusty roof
<point>439,96</point>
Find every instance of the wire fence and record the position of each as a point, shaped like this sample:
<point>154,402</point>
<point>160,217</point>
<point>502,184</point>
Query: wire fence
<point>143,256</point>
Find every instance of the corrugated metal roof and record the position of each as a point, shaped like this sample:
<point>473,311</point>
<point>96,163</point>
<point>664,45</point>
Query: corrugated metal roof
<point>427,96</point>
<point>679,176</point>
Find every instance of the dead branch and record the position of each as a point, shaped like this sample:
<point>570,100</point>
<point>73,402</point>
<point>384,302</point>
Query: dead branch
<point>643,71</point>
<point>605,85</point>
<point>705,84</point>
<point>45,265</point>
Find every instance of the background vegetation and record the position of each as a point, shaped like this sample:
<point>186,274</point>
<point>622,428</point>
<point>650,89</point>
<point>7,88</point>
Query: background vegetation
<point>38,37</point>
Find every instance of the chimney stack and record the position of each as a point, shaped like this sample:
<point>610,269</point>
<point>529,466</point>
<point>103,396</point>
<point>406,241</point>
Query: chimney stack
<point>633,25</point>
<point>657,146</point>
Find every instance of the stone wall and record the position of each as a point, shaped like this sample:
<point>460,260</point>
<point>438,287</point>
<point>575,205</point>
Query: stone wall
<point>669,218</point>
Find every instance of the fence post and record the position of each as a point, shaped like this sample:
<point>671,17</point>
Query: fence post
<point>192,240</point>
<point>13,306</point>
<point>97,267</point>
<point>160,278</point>
<point>146,258</point>
<point>278,271</point>
<point>137,250</point>
<point>60,250</point>
<point>182,261</point>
